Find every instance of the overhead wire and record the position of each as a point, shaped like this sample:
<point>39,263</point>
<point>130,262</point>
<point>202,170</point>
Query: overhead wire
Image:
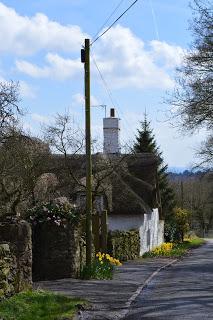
<point>154,20</point>
<point>104,32</point>
<point>114,104</point>
<point>103,80</point>
<point>96,38</point>
<point>108,19</point>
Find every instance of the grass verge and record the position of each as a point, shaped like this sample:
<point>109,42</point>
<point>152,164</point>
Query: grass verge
<point>36,305</point>
<point>177,250</point>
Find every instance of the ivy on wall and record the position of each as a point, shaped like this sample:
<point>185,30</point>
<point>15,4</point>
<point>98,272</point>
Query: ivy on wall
<point>124,245</point>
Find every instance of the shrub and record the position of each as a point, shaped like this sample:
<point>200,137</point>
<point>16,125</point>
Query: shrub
<point>101,268</point>
<point>178,225</point>
<point>182,218</point>
<point>57,212</point>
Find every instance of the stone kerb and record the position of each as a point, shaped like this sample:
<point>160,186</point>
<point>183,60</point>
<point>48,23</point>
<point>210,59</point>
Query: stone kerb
<point>17,235</point>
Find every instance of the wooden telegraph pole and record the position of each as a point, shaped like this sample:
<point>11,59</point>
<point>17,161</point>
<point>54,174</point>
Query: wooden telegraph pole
<point>85,58</point>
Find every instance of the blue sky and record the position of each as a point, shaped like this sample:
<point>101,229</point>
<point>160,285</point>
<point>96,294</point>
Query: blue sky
<point>40,44</point>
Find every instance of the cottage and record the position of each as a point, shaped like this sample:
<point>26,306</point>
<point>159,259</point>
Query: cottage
<point>125,185</point>
<point>134,194</point>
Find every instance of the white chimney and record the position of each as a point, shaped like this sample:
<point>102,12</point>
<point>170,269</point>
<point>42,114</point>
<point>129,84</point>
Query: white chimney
<point>111,133</point>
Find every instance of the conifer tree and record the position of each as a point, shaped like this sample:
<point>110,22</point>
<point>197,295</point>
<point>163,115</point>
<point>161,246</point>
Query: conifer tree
<point>145,142</point>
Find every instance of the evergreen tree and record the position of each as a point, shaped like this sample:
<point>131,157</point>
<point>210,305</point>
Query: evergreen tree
<point>145,142</point>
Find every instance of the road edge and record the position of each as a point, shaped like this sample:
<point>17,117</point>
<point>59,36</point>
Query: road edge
<point>142,287</point>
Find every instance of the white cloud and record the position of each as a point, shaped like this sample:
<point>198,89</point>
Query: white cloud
<point>78,99</point>
<point>27,35</point>
<point>56,68</point>
<point>26,90</point>
<point>169,55</point>
<point>124,59</point>
<point>127,62</point>
<point>40,118</point>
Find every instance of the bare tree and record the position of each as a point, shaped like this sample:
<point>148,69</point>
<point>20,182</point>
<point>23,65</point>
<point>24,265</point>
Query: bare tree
<point>65,140</point>
<point>69,142</point>
<point>22,157</point>
<point>9,108</point>
<point>206,152</point>
<point>22,161</point>
<point>193,95</point>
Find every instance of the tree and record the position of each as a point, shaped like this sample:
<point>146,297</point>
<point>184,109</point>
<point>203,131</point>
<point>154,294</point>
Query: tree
<point>9,109</point>
<point>68,142</point>
<point>145,142</point>
<point>193,95</point>
<point>194,192</point>
<point>22,161</point>
<point>22,158</point>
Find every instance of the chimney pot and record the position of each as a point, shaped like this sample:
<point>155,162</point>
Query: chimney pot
<point>112,113</point>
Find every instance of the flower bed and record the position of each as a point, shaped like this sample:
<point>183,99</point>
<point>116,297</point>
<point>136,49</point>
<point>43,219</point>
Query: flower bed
<point>101,268</point>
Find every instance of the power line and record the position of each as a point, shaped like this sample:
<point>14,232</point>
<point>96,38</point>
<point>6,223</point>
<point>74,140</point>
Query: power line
<point>103,80</point>
<point>107,20</point>
<point>115,105</point>
<point>154,20</point>
<point>114,22</point>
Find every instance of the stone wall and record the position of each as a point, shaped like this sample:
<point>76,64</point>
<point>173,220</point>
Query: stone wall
<point>7,276</point>
<point>15,255</point>
<point>58,251</point>
<point>124,245</point>
<point>151,229</point>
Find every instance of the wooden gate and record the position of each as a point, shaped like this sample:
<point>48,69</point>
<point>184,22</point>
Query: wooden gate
<point>100,231</point>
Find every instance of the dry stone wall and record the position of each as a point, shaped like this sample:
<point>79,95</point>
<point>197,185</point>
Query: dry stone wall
<point>7,276</point>
<point>58,251</point>
<point>15,256</point>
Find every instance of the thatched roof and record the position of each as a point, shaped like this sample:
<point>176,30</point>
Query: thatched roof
<point>128,188</point>
<point>124,198</point>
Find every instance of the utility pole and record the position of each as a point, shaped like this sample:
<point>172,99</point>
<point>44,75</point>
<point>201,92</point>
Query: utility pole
<point>85,58</point>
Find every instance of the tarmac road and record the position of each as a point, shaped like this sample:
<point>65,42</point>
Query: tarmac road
<point>184,291</point>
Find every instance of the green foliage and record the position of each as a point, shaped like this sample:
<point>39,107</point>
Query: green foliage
<point>101,268</point>
<point>124,245</point>
<point>58,213</point>
<point>178,225</point>
<point>7,286</point>
<point>176,250</point>
<point>163,250</point>
<point>182,217</point>
<point>36,305</point>
<point>145,141</point>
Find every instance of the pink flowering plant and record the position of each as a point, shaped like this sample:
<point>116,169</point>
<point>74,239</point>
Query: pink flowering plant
<point>58,213</point>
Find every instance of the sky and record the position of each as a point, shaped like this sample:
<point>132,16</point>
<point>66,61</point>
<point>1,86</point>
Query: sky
<point>40,43</point>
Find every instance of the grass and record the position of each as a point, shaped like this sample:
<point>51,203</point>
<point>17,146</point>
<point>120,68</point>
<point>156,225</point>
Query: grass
<point>36,305</point>
<point>178,249</point>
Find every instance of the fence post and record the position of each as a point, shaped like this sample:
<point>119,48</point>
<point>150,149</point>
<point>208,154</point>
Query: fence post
<point>104,231</point>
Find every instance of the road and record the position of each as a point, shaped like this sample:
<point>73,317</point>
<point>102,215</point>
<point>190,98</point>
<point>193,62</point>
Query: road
<point>183,291</point>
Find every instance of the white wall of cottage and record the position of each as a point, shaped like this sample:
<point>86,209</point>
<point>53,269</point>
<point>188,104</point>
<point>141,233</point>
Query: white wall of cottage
<point>150,227</point>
